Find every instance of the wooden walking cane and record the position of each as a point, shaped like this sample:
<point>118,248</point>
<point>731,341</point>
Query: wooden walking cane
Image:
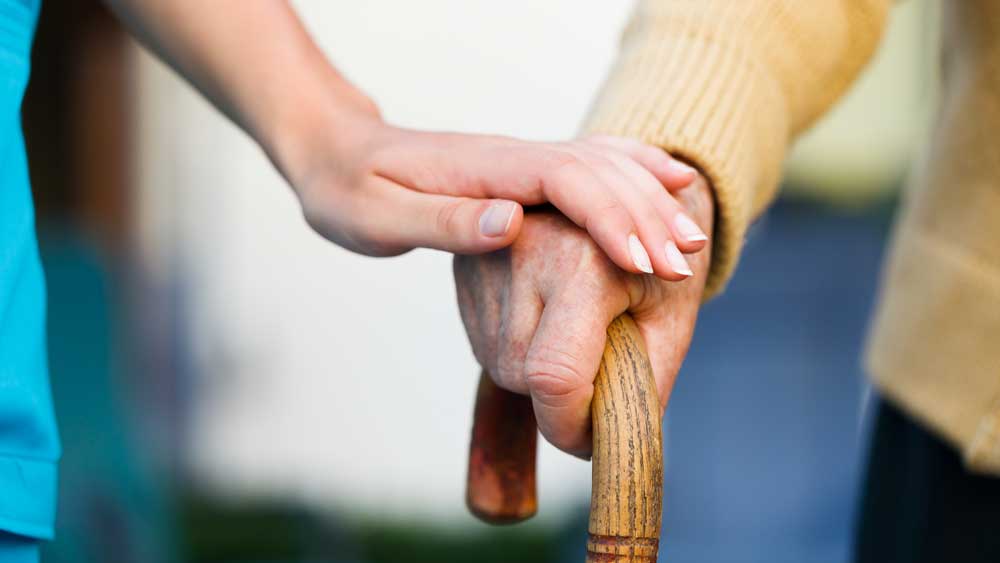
<point>627,494</point>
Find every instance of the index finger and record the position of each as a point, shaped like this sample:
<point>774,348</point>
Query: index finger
<point>561,364</point>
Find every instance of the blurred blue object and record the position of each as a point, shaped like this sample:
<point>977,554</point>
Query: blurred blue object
<point>763,433</point>
<point>112,505</point>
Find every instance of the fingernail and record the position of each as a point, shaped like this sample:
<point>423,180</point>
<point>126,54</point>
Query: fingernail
<point>639,256</point>
<point>495,221</point>
<point>676,260</point>
<point>688,228</point>
<point>678,167</point>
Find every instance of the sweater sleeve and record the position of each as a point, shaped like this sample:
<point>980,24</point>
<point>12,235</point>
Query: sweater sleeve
<point>727,84</point>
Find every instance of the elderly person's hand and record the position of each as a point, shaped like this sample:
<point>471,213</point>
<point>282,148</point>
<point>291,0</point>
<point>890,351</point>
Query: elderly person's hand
<point>536,314</point>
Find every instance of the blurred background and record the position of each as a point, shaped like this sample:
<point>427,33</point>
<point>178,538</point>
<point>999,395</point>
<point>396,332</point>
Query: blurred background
<point>232,388</point>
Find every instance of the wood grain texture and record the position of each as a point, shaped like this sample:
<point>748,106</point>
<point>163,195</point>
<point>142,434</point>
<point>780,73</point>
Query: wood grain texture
<point>501,479</point>
<point>627,496</point>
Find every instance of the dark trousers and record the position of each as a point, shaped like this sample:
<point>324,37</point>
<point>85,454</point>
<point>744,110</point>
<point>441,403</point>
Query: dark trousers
<point>919,505</point>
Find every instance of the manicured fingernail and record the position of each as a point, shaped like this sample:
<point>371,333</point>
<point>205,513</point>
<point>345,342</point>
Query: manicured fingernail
<point>689,229</point>
<point>495,221</point>
<point>639,256</point>
<point>678,167</point>
<point>676,260</point>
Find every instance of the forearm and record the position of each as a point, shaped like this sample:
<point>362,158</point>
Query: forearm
<point>381,190</point>
<point>253,60</point>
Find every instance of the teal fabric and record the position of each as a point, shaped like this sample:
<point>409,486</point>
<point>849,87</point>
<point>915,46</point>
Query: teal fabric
<point>29,443</point>
<point>18,549</point>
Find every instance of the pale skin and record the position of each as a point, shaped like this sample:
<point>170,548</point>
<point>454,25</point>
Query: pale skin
<point>629,237</point>
<point>381,190</point>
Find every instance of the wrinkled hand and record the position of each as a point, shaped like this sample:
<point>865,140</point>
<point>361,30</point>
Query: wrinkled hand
<point>536,314</point>
<point>381,190</point>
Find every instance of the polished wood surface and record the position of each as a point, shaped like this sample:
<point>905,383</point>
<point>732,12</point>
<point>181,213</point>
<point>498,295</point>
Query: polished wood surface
<point>627,493</point>
<point>501,479</point>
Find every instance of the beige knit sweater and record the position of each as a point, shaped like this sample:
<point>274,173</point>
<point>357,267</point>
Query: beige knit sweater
<point>728,84</point>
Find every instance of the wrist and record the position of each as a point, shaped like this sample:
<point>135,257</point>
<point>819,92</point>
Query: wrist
<point>316,128</point>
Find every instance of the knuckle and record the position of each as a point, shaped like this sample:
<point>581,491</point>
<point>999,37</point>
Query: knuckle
<point>645,295</point>
<point>510,373</point>
<point>447,219</point>
<point>609,214</point>
<point>595,156</point>
<point>512,349</point>
<point>623,161</point>
<point>610,208</point>
<point>510,360</point>
<point>561,162</point>
<point>553,376</point>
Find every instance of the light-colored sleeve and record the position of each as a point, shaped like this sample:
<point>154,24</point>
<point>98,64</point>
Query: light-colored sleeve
<point>727,84</point>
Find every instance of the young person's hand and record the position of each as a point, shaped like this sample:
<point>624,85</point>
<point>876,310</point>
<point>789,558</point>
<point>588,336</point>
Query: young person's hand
<point>380,190</point>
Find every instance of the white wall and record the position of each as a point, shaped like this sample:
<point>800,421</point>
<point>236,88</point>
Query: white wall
<point>337,379</point>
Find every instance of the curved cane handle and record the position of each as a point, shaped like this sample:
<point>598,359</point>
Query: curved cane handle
<point>627,494</point>
<point>501,481</point>
<point>626,498</point>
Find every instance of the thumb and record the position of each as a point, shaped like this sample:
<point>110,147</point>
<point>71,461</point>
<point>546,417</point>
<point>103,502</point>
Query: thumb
<point>460,225</point>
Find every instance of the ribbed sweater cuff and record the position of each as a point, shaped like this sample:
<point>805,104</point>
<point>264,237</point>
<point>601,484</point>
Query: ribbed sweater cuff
<point>713,106</point>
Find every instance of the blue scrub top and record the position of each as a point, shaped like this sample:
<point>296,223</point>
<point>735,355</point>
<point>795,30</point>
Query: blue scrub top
<point>29,443</point>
